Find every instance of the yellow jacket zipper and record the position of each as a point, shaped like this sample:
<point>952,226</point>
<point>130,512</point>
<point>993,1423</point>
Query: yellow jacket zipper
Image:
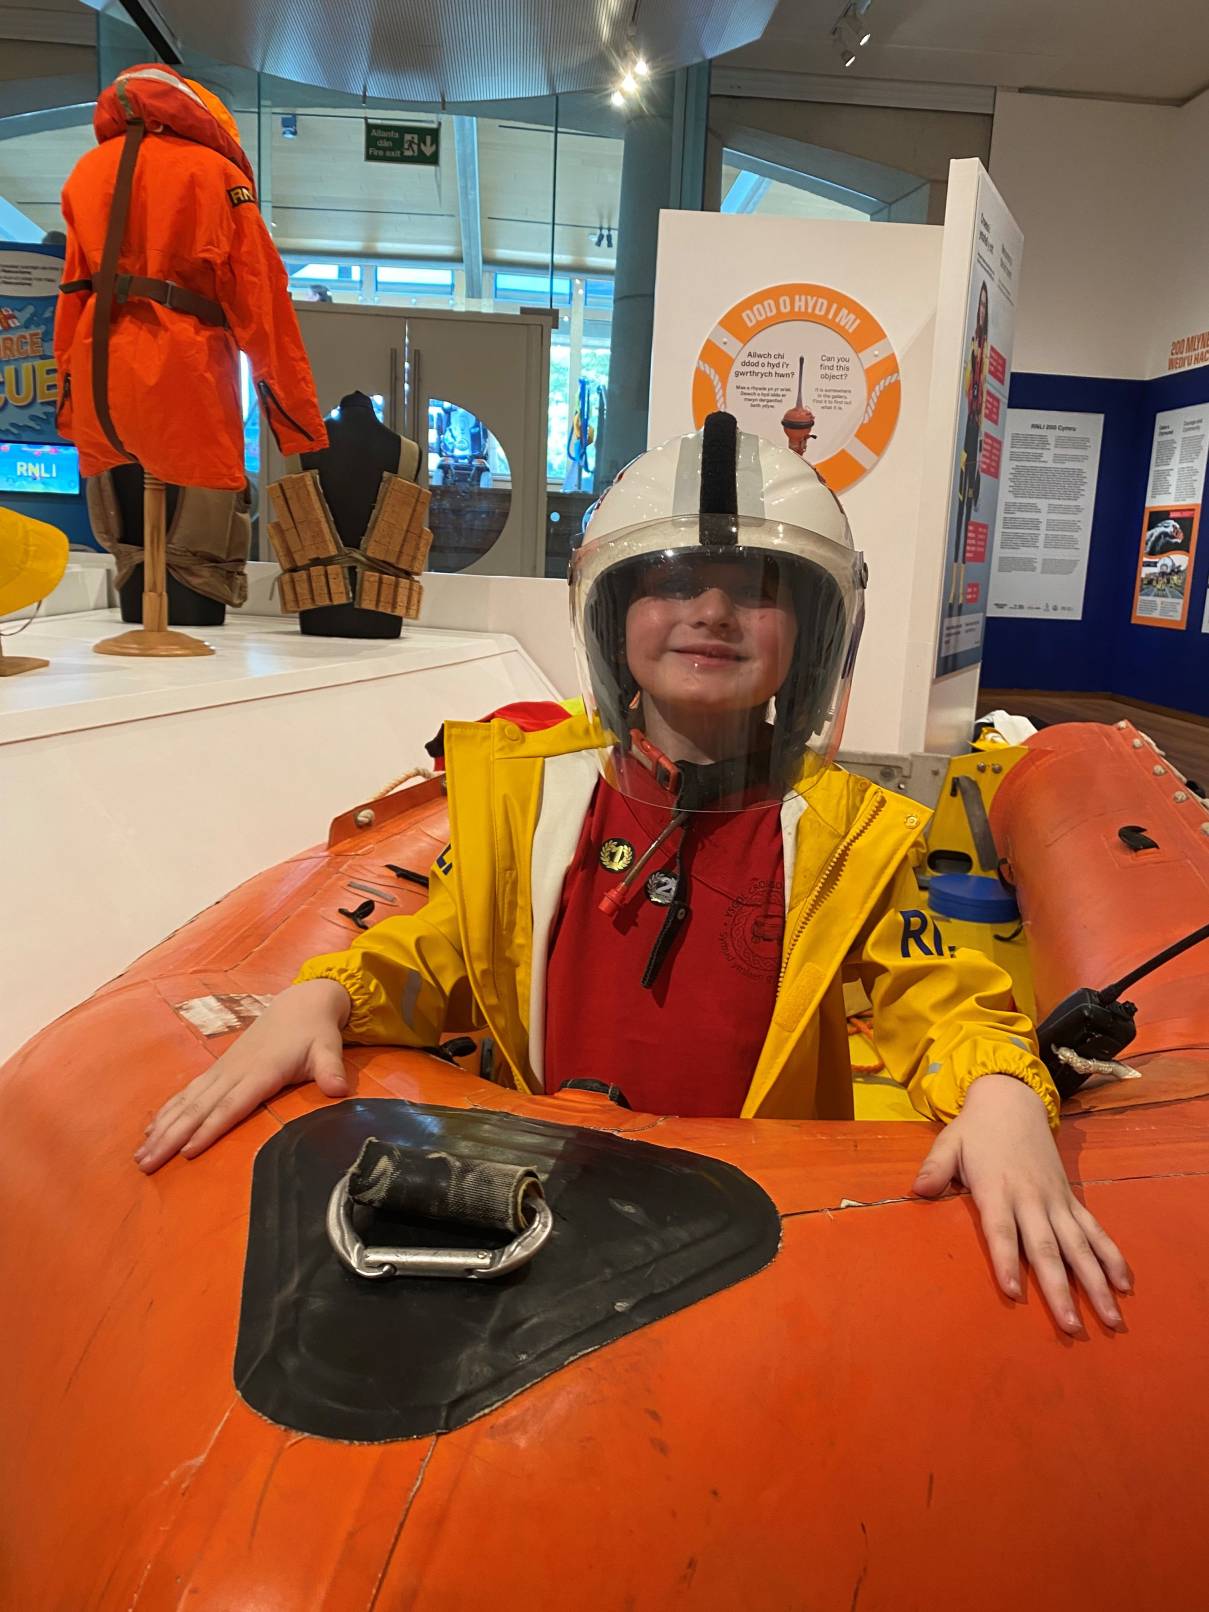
<point>827,883</point>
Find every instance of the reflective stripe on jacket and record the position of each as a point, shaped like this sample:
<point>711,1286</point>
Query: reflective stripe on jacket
<point>474,957</point>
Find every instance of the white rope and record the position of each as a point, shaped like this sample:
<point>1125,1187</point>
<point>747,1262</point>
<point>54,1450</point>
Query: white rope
<point>715,382</point>
<point>886,380</point>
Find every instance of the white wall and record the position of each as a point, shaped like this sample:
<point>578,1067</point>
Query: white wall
<point>1086,180</point>
<point>1111,198</point>
<point>1181,234</point>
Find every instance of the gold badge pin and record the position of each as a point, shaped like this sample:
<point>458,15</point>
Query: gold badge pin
<point>616,855</point>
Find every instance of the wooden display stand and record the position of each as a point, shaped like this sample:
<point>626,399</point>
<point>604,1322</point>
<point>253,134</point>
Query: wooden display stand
<point>14,665</point>
<point>154,637</point>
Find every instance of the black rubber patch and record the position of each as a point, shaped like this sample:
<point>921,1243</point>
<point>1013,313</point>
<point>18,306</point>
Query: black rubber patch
<point>640,1232</point>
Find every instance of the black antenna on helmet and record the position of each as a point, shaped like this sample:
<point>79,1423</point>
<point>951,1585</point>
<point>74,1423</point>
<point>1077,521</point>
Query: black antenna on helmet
<point>719,480</point>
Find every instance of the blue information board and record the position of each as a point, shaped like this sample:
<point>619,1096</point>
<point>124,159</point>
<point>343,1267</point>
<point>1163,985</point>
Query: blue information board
<point>29,377</point>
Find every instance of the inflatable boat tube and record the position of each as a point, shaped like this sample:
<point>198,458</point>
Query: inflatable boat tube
<point>759,1374</point>
<point>1109,849</point>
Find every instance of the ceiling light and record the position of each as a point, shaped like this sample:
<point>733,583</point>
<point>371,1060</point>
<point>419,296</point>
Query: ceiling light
<point>866,34</point>
<point>641,67</point>
<point>629,84</point>
<point>847,52</point>
<point>617,98</point>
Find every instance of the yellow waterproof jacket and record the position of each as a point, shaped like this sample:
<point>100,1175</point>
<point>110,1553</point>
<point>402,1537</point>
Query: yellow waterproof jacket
<point>474,957</point>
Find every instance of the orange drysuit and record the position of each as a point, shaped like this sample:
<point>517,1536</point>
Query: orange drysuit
<point>194,228</point>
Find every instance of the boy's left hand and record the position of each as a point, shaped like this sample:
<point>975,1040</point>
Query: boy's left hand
<point>1001,1147</point>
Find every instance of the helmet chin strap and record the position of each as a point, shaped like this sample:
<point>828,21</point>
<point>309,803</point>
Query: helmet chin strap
<point>695,786</point>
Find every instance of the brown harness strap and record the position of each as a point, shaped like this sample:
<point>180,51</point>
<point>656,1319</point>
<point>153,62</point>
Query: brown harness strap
<point>104,284</point>
<point>166,292</point>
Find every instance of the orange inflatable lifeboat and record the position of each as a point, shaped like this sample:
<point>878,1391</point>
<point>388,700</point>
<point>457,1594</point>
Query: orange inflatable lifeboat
<point>815,1400</point>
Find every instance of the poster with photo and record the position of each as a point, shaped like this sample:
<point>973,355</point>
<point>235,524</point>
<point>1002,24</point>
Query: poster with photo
<point>29,376</point>
<point>1165,560</point>
<point>981,422</point>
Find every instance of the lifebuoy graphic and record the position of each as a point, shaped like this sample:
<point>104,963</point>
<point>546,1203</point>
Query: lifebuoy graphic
<point>807,365</point>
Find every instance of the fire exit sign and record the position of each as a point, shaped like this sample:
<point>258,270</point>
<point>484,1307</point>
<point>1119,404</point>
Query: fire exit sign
<point>414,145</point>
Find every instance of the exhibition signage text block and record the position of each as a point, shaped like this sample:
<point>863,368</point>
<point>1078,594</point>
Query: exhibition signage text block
<point>1043,530</point>
<point>412,145</point>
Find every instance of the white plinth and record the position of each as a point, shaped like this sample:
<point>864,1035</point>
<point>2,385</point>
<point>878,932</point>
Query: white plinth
<point>133,793</point>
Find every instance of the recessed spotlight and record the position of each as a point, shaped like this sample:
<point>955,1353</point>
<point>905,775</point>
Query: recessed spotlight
<point>866,34</point>
<point>847,53</point>
<point>617,98</point>
<point>629,84</point>
<point>641,67</point>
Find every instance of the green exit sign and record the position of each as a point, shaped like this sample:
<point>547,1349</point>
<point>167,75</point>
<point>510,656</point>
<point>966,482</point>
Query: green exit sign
<point>414,145</point>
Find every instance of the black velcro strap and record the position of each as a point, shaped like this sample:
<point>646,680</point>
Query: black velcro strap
<point>719,480</point>
<point>676,913</point>
<point>68,286</point>
<point>440,1186</point>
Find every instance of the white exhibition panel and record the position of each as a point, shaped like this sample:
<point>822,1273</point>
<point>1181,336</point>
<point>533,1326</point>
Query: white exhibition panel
<point>974,211</point>
<point>136,793</point>
<point>913,281</point>
<point>707,263</point>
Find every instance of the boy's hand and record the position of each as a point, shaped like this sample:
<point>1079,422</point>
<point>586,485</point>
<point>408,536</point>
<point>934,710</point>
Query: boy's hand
<point>1001,1147</point>
<point>297,1038</point>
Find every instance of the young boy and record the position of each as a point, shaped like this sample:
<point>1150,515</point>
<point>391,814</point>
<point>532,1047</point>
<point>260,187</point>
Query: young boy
<point>667,892</point>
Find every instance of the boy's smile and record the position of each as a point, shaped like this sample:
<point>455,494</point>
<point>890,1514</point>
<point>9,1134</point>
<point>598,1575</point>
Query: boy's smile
<point>714,634</point>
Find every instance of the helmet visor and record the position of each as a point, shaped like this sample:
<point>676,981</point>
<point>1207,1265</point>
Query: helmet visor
<point>720,668</point>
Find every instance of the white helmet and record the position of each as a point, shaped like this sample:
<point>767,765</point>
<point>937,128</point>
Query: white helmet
<point>724,515</point>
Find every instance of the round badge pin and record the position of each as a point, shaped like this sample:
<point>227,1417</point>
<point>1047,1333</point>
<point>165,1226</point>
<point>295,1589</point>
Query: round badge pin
<point>616,855</point>
<point>661,888</point>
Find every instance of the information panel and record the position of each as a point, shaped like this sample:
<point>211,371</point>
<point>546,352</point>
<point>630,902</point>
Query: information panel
<point>1043,530</point>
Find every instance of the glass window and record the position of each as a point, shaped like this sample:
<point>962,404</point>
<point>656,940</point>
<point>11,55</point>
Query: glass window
<point>326,273</point>
<point>249,405</point>
<point>427,281</point>
<point>534,289</point>
<point>748,190</point>
<point>471,486</point>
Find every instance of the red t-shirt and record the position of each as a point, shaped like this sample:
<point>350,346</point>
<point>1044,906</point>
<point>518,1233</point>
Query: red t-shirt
<point>689,1044</point>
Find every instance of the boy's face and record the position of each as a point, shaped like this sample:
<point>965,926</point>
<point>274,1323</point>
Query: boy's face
<point>710,633</point>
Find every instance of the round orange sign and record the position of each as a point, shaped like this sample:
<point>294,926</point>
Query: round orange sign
<point>804,364</point>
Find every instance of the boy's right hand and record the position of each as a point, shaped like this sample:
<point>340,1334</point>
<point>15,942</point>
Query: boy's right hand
<point>296,1039</point>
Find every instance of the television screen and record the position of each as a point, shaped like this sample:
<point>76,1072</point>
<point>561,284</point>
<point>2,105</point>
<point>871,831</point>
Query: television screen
<point>31,467</point>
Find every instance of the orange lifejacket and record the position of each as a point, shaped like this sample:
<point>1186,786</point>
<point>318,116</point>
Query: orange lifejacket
<point>197,279</point>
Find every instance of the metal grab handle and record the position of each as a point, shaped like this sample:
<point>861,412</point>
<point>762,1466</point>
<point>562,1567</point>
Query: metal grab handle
<point>418,430</point>
<point>476,1264</point>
